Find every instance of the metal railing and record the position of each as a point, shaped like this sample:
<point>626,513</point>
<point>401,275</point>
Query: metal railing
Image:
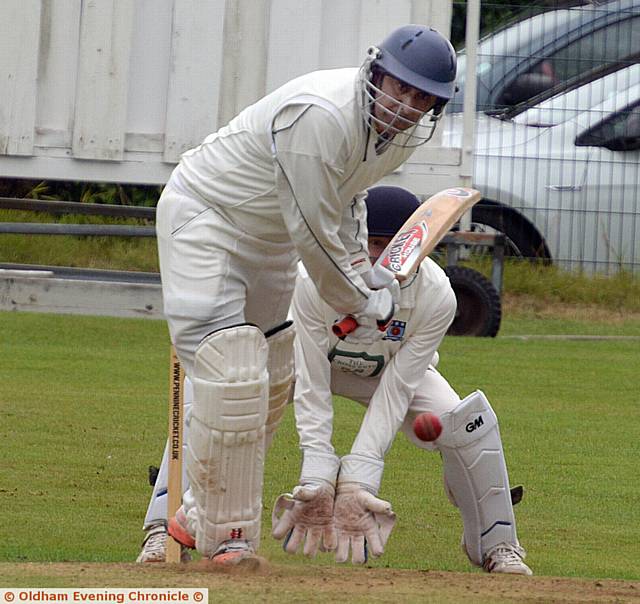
<point>452,242</point>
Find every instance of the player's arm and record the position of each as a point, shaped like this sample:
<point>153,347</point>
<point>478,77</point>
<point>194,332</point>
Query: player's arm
<point>359,516</point>
<point>313,403</point>
<point>306,515</point>
<point>402,375</point>
<point>311,151</point>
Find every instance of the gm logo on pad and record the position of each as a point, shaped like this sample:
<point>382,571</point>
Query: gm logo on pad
<point>474,424</point>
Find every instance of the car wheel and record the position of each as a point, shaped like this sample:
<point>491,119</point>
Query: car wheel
<point>479,309</point>
<point>522,239</point>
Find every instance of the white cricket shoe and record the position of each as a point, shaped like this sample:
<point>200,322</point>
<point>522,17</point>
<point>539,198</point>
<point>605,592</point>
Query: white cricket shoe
<point>506,558</point>
<point>155,544</point>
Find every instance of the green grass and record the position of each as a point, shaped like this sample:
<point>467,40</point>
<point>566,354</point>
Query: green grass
<point>83,408</point>
<point>117,253</point>
<point>532,286</point>
<point>542,285</point>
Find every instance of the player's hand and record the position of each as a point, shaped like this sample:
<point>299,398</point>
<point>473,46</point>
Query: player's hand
<point>363,523</point>
<point>306,515</point>
<point>379,277</point>
<point>374,318</point>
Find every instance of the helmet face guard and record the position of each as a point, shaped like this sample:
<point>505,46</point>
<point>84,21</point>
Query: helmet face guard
<point>419,57</point>
<point>413,133</point>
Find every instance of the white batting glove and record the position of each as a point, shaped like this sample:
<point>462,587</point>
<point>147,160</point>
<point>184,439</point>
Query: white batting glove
<point>379,277</point>
<point>363,523</point>
<point>378,312</point>
<point>306,515</point>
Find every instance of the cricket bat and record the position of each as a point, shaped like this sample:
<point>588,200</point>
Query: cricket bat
<point>417,238</point>
<point>176,413</point>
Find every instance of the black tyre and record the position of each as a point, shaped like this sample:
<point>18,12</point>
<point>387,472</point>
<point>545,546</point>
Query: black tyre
<point>522,238</point>
<point>479,308</point>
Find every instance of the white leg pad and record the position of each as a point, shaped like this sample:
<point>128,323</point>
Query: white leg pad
<point>225,451</point>
<point>280,366</point>
<point>476,474</point>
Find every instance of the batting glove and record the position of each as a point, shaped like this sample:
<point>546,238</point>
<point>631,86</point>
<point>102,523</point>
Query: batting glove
<point>373,319</point>
<point>363,523</point>
<point>306,515</point>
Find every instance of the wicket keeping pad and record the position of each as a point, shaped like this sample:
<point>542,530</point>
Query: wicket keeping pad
<point>475,475</point>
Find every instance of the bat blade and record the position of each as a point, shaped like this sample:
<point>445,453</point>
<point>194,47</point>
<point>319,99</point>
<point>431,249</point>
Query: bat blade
<point>424,229</point>
<point>418,237</point>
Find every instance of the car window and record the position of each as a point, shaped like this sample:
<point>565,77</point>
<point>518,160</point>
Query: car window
<point>620,132</point>
<point>601,47</point>
<point>608,44</point>
<point>568,104</point>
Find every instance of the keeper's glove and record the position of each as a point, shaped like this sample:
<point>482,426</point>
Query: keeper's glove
<point>363,523</point>
<point>306,515</point>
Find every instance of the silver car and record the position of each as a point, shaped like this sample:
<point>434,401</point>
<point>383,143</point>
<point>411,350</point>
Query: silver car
<point>561,178</point>
<point>526,58</point>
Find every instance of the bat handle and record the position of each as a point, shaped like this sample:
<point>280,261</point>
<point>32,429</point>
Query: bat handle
<point>344,327</point>
<point>348,324</point>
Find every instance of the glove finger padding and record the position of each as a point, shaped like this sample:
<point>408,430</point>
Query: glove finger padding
<point>281,521</point>
<point>362,522</point>
<point>305,516</point>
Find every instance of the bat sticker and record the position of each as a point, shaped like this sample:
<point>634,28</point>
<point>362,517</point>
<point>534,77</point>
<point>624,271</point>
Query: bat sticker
<point>405,247</point>
<point>459,192</point>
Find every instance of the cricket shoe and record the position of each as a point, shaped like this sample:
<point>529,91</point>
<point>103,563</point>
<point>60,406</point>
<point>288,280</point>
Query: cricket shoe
<point>233,553</point>
<point>177,528</point>
<point>236,553</point>
<point>506,558</point>
<point>154,546</point>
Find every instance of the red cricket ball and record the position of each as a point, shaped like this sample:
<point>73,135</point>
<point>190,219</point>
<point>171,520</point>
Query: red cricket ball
<point>427,426</point>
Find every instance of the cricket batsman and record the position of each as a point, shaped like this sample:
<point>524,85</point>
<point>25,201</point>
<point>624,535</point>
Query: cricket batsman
<point>282,182</point>
<point>335,505</point>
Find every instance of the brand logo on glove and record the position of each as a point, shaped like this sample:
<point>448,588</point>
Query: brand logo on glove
<point>405,247</point>
<point>395,331</point>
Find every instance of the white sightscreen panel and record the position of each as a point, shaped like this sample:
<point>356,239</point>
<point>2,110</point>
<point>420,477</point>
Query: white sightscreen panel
<point>19,39</point>
<point>103,77</point>
<point>149,67</point>
<point>197,46</point>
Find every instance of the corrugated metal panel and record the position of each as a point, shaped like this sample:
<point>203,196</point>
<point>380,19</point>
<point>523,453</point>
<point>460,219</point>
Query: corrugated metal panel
<point>195,75</point>
<point>128,86</point>
<point>106,28</point>
<point>19,40</point>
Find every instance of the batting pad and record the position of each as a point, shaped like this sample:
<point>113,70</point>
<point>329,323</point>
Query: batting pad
<point>476,475</point>
<point>225,452</point>
<point>280,366</point>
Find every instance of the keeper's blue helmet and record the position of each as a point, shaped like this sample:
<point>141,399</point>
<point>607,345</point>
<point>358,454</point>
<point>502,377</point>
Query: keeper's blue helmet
<point>420,57</point>
<point>388,208</point>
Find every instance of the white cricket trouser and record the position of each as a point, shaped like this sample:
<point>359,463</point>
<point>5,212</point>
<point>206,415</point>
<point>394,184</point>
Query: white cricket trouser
<point>214,275</point>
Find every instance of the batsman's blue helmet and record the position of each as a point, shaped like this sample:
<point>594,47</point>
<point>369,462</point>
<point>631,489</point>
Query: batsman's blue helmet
<point>388,208</point>
<point>421,57</point>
